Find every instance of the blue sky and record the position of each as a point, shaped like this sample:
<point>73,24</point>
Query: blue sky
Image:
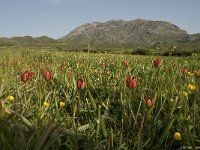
<point>56,18</point>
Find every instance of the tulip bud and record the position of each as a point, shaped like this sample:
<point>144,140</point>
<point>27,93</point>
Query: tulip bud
<point>157,62</point>
<point>102,65</point>
<point>125,63</point>
<point>197,73</point>
<point>25,76</point>
<point>80,84</point>
<point>184,70</point>
<point>107,72</point>
<point>148,102</point>
<point>48,75</point>
<point>131,82</point>
<point>62,68</point>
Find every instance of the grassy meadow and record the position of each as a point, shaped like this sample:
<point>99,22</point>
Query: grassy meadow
<point>66,100</point>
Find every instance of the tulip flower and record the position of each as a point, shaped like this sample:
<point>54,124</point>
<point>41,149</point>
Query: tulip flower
<point>131,82</point>
<point>62,67</point>
<point>48,75</point>
<point>197,73</point>
<point>26,75</point>
<point>125,63</point>
<point>43,72</point>
<point>148,102</point>
<point>184,70</point>
<point>80,84</point>
<point>102,65</point>
<point>107,72</point>
<point>157,62</point>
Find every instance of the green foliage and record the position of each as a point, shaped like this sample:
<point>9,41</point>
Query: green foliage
<point>140,51</point>
<point>105,113</point>
<point>178,53</point>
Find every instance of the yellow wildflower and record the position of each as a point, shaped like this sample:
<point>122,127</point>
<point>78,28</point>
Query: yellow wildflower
<point>46,104</point>
<point>177,136</point>
<point>62,104</point>
<point>10,98</point>
<point>184,93</point>
<point>190,73</point>
<point>192,87</point>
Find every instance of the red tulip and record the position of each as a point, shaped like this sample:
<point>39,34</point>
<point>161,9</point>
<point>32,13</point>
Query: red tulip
<point>48,75</point>
<point>107,72</point>
<point>131,82</point>
<point>62,67</point>
<point>148,102</point>
<point>125,63</point>
<point>102,65</point>
<point>157,62</point>
<point>184,70</point>
<point>43,72</point>
<point>197,73</point>
<point>80,84</point>
<point>25,76</point>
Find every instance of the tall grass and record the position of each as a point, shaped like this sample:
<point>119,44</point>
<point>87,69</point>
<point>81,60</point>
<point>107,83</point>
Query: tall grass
<point>105,114</point>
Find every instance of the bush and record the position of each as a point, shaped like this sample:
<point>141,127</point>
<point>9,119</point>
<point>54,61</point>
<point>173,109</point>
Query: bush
<point>178,53</point>
<point>127,52</point>
<point>140,52</point>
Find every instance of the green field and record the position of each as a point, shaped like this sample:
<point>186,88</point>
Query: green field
<point>67,100</point>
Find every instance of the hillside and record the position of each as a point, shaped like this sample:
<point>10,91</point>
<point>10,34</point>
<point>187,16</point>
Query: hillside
<point>119,33</point>
<point>28,41</point>
<point>114,34</point>
<point>195,37</point>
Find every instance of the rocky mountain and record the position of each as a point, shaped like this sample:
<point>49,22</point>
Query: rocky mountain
<point>114,34</point>
<point>137,33</point>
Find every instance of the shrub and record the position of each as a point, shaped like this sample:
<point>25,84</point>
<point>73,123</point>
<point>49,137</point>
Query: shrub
<point>140,52</point>
<point>178,53</point>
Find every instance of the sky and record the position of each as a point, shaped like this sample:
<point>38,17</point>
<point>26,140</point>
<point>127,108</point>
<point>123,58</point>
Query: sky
<point>56,18</point>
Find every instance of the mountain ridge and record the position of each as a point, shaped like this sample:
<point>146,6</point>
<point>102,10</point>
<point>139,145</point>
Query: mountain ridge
<point>114,34</point>
<point>137,32</point>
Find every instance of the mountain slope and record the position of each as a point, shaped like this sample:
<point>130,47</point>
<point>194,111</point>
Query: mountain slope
<point>114,34</point>
<point>131,33</point>
<point>27,41</point>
